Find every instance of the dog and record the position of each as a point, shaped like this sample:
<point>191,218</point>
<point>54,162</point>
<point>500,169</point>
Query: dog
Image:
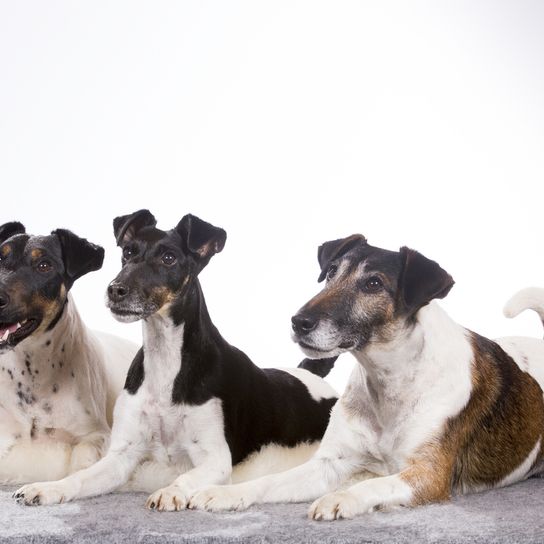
<point>58,380</point>
<point>191,402</point>
<point>430,409</point>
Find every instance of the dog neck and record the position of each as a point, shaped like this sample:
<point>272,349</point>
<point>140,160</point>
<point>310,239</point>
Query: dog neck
<point>434,348</point>
<point>55,347</point>
<point>180,341</point>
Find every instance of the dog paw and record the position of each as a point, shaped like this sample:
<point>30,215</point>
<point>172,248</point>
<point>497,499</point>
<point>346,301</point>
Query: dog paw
<point>40,494</point>
<point>217,498</point>
<point>340,505</point>
<point>168,499</point>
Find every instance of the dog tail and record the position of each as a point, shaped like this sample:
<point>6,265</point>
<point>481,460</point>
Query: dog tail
<point>319,367</point>
<point>531,298</point>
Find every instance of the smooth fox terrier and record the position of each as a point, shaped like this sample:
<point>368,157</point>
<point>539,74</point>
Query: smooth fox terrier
<point>192,402</point>
<point>58,380</point>
<point>430,409</point>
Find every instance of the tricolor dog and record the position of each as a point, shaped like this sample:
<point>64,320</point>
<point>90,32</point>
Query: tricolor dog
<point>193,404</point>
<point>430,409</point>
<point>58,381</point>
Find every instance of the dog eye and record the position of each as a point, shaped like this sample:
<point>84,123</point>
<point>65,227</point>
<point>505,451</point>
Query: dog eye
<point>128,252</point>
<point>373,285</point>
<point>44,266</point>
<point>332,271</point>
<point>169,258</point>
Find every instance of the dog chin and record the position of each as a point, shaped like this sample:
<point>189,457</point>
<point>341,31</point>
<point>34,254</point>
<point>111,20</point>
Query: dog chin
<point>126,317</point>
<point>313,352</point>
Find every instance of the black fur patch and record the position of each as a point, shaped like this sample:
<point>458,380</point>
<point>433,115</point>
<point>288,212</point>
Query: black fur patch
<point>135,375</point>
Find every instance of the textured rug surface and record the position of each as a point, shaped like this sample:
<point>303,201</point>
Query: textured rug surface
<point>511,515</point>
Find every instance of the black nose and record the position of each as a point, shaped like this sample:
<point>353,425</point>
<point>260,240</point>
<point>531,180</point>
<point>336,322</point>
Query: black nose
<point>303,324</point>
<point>4,300</point>
<point>117,291</point>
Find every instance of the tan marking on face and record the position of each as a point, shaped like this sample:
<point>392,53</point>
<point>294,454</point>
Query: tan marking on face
<point>6,250</point>
<point>162,296</point>
<point>491,437</point>
<point>49,308</point>
<point>36,254</point>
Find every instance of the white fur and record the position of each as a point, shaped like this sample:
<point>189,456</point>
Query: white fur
<point>63,401</point>
<point>176,447</point>
<point>318,388</point>
<point>399,397</point>
<point>530,298</point>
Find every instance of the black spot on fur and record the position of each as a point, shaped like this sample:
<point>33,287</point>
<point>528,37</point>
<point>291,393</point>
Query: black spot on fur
<point>26,398</point>
<point>10,373</point>
<point>33,429</point>
<point>47,408</point>
<point>48,343</point>
<point>55,388</point>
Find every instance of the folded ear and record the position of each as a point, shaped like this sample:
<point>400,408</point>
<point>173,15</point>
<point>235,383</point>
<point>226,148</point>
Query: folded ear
<point>421,280</point>
<point>79,255</point>
<point>329,251</point>
<point>7,230</point>
<point>125,227</point>
<point>202,240</point>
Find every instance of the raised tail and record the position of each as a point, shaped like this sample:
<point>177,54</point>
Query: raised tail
<point>531,298</point>
<point>319,367</point>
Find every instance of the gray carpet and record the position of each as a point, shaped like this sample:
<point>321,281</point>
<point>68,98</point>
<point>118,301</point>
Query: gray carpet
<point>511,515</point>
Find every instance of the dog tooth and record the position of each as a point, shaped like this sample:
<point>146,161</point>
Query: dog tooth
<point>6,334</point>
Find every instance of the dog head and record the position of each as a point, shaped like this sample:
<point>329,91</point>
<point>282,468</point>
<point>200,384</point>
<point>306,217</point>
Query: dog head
<point>369,294</point>
<point>36,273</point>
<point>159,267</point>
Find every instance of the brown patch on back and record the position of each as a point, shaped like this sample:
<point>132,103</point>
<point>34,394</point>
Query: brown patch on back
<point>491,437</point>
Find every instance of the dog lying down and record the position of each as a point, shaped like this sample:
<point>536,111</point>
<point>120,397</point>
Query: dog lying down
<point>193,406</point>
<point>58,380</point>
<point>430,409</point>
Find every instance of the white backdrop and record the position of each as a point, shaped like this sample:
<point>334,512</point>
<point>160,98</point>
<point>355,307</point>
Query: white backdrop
<point>288,123</point>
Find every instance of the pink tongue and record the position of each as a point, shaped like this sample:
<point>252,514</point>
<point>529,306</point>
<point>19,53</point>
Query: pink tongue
<point>12,328</point>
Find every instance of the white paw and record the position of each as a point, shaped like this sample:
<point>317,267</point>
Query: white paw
<point>341,504</point>
<point>41,494</point>
<point>219,497</point>
<point>84,455</point>
<point>168,499</point>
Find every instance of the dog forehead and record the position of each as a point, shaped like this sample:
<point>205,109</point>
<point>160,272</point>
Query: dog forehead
<point>38,246</point>
<point>374,259</point>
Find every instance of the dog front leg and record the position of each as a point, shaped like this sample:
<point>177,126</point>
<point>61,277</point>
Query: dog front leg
<point>302,483</point>
<point>214,467</point>
<point>418,484</point>
<point>128,447</point>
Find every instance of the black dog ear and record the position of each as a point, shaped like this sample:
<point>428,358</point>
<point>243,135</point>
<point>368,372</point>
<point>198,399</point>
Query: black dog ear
<point>125,227</point>
<point>7,230</point>
<point>421,280</point>
<point>201,239</point>
<point>329,251</point>
<point>79,255</point>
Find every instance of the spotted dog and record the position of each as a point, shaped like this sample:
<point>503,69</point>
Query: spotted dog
<point>193,405</point>
<point>58,380</point>
<point>430,409</point>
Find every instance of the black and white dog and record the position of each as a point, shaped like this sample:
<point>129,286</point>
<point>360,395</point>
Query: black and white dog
<point>430,409</point>
<point>58,381</point>
<point>192,402</point>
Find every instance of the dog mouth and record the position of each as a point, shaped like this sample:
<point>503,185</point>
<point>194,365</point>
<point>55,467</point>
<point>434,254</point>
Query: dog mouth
<point>13,333</point>
<point>125,315</point>
<point>315,352</point>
